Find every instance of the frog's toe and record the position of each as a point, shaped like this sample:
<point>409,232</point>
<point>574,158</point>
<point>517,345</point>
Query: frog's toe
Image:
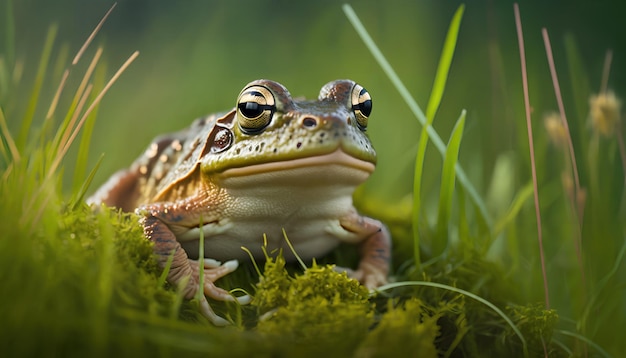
<point>353,274</point>
<point>216,293</point>
<point>207,312</point>
<point>372,279</point>
<point>214,270</point>
<point>210,263</point>
<point>219,294</point>
<point>215,273</point>
<point>369,276</point>
<point>244,300</point>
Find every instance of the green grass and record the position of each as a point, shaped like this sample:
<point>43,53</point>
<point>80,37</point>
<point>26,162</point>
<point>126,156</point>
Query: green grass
<point>79,282</point>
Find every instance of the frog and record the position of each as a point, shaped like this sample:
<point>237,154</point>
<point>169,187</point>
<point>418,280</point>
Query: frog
<point>273,173</point>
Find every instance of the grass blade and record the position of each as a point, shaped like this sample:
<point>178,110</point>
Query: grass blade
<point>447,186</point>
<point>65,145</point>
<point>445,63</point>
<point>80,193</point>
<point>465,293</point>
<point>39,78</point>
<point>93,35</point>
<point>81,95</point>
<point>463,222</point>
<point>6,135</point>
<point>559,101</point>
<point>404,93</point>
<point>433,104</point>
<point>580,84</point>
<point>82,158</point>
<point>601,285</point>
<point>522,196</point>
<point>582,338</point>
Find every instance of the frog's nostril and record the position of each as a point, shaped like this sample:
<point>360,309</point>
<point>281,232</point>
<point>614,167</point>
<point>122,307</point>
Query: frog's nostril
<point>309,122</point>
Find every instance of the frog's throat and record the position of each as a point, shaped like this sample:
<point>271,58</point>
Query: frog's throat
<point>338,157</point>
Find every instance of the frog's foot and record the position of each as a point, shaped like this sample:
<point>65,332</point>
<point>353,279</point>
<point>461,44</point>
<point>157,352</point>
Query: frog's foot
<point>368,275</point>
<point>375,249</point>
<point>184,273</point>
<point>213,271</point>
<point>188,273</point>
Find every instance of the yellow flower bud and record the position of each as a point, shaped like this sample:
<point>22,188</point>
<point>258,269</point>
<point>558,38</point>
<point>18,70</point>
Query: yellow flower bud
<point>556,131</point>
<point>604,112</point>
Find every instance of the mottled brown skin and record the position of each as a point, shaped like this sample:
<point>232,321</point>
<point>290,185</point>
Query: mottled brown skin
<point>184,183</point>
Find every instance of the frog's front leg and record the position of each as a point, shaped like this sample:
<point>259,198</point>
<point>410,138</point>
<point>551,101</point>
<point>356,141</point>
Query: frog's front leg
<point>182,269</point>
<point>375,249</point>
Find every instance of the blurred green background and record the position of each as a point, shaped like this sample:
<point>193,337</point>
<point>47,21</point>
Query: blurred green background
<point>195,57</point>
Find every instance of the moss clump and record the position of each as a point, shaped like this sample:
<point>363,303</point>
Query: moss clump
<point>406,330</point>
<point>313,313</point>
<point>76,284</point>
<point>273,286</point>
<point>323,312</point>
<point>536,325</point>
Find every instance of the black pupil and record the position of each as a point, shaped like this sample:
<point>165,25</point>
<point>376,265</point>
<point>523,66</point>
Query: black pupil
<point>251,109</point>
<point>366,107</point>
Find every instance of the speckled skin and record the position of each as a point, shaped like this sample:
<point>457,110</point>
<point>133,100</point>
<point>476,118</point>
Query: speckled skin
<point>236,177</point>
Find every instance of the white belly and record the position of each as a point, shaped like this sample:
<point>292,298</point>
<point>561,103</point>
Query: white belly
<point>306,202</point>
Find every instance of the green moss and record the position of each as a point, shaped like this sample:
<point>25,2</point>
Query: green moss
<point>312,313</point>
<point>406,330</point>
<point>69,284</point>
<point>273,285</point>
<point>536,324</point>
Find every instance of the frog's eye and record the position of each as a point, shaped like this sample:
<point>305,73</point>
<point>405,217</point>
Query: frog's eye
<point>255,108</point>
<point>361,105</point>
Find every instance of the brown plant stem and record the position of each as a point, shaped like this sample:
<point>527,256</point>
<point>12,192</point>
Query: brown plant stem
<point>559,99</point>
<point>529,126</point>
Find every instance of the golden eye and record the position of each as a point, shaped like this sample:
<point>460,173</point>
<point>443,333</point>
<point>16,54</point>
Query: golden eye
<point>255,108</point>
<point>361,105</point>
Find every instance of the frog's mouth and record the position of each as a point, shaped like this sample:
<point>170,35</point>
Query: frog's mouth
<point>338,157</point>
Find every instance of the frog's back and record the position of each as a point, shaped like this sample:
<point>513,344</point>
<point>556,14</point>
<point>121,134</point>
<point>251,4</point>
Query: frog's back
<point>169,160</point>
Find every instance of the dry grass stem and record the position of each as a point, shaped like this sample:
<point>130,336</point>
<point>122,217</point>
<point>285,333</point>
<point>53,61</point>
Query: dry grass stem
<point>92,35</point>
<point>57,95</point>
<point>559,99</point>
<point>529,126</point>
<point>91,107</point>
<point>81,95</point>
<point>606,70</point>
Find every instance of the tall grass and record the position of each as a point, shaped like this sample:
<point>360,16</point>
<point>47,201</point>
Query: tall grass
<point>576,196</point>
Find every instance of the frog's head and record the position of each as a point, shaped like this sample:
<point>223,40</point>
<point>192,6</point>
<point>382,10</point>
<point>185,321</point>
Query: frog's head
<point>270,131</point>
